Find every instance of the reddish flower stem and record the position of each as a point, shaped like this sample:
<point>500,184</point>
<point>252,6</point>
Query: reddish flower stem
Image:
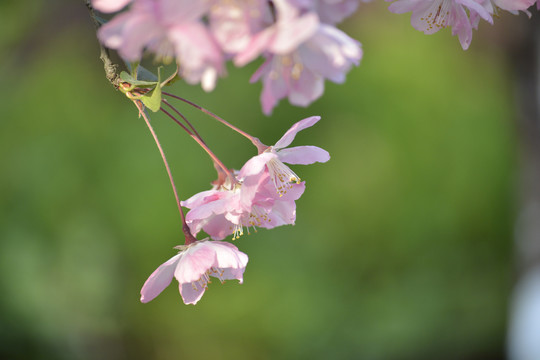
<point>255,141</point>
<point>183,118</point>
<point>204,146</point>
<point>185,228</point>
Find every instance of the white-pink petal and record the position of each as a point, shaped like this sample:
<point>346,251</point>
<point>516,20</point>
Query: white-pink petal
<point>108,6</point>
<point>303,155</point>
<point>159,280</point>
<point>289,136</point>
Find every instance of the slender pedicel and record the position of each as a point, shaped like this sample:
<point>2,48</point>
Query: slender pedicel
<point>204,146</point>
<point>183,118</point>
<point>185,228</point>
<point>255,141</point>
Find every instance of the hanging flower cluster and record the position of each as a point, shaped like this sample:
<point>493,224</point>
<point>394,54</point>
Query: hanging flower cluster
<point>261,194</point>
<point>297,38</point>
<point>301,48</point>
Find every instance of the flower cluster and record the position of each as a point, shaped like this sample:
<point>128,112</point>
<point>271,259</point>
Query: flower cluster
<point>429,16</point>
<point>298,39</point>
<point>261,194</point>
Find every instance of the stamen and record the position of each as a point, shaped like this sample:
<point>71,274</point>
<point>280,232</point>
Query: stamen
<point>282,176</point>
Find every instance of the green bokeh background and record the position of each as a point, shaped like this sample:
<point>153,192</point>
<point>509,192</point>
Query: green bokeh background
<point>403,243</point>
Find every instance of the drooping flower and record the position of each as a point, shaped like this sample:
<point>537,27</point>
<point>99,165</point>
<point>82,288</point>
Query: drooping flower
<point>273,158</point>
<point>429,16</point>
<point>252,202</point>
<point>193,266</point>
<point>170,29</point>
<point>494,6</point>
<point>301,52</point>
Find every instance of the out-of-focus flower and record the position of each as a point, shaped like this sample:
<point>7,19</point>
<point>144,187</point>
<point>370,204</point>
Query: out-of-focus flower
<point>273,158</point>
<point>193,266</point>
<point>234,22</point>
<point>494,6</point>
<point>329,11</point>
<point>300,53</point>
<point>170,29</point>
<point>429,16</point>
<point>108,6</point>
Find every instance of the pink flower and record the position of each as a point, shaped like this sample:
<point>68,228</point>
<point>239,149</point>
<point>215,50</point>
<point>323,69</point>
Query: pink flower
<point>429,16</point>
<point>193,266</point>
<point>264,194</point>
<point>301,52</point>
<point>170,29</point>
<point>251,203</point>
<point>273,158</point>
<point>493,7</point>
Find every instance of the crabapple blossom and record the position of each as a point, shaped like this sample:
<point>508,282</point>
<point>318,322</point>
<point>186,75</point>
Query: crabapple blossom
<point>272,158</point>
<point>251,202</point>
<point>193,266</point>
<point>170,29</point>
<point>300,53</point>
<point>493,7</point>
<point>108,6</point>
<point>429,16</point>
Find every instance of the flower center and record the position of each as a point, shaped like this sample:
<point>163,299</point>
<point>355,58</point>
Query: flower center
<point>205,278</point>
<point>282,176</point>
<point>437,14</point>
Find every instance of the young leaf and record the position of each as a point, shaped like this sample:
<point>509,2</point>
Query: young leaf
<point>130,79</point>
<point>152,100</point>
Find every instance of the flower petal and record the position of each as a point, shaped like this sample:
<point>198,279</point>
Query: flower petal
<point>191,293</point>
<point>109,6</point>
<point>256,164</point>
<point>288,138</point>
<point>303,155</point>
<point>196,260</point>
<point>159,280</point>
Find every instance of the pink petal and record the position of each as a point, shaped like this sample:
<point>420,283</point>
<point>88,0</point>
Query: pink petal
<point>303,155</point>
<point>196,260</point>
<point>257,45</point>
<point>514,4</point>
<point>228,256</point>
<point>308,88</point>
<point>288,138</point>
<point>108,6</point>
<point>159,280</point>
<point>218,227</point>
<point>291,34</point>
<point>255,165</point>
<point>191,295</point>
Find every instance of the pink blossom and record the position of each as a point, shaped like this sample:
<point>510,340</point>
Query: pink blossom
<point>300,53</point>
<point>193,266</point>
<point>252,202</point>
<point>170,29</point>
<point>430,16</point>
<point>493,7</point>
<point>273,158</point>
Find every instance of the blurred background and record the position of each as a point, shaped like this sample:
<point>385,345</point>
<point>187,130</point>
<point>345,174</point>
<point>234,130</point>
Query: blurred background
<point>403,246</point>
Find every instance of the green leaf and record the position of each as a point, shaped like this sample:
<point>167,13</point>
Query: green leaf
<point>152,100</point>
<point>130,79</point>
